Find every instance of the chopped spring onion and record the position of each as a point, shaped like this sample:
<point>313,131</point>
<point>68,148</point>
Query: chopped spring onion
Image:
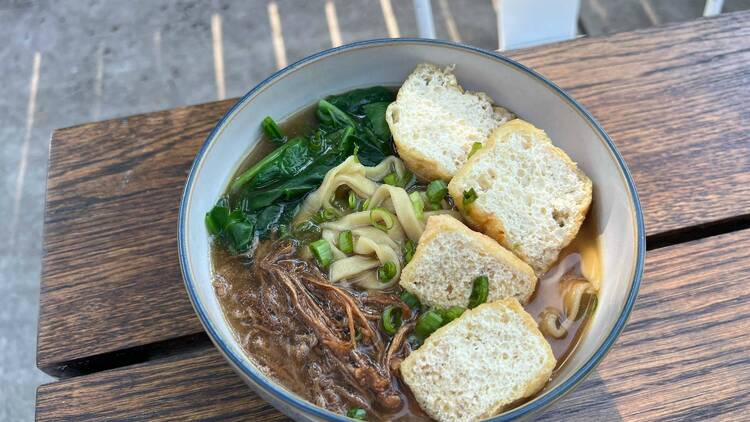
<point>391,179</point>
<point>452,313</point>
<point>365,205</point>
<point>409,250</point>
<point>427,323</point>
<point>346,243</point>
<point>354,154</point>
<point>418,204</point>
<point>476,146</point>
<point>391,319</point>
<point>436,191</point>
<point>409,299</point>
<point>357,413</point>
<point>387,271</point>
<point>327,214</point>
<point>272,129</point>
<point>479,291</point>
<point>381,219</point>
<point>322,252</point>
<point>352,201</point>
<point>469,196</point>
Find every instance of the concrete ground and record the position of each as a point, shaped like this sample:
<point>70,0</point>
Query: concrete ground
<point>72,61</point>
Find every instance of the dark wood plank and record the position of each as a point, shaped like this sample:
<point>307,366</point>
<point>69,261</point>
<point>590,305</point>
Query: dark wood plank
<point>683,355</point>
<point>673,99</point>
<point>164,390</point>
<point>110,268</point>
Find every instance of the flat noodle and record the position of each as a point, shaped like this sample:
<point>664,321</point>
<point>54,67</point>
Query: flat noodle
<point>573,296</point>
<point>350,173</point>
<point>554,322</point>
<point>372,246</point>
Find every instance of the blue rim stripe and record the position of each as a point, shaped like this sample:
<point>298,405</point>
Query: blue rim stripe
<point>303,405</point>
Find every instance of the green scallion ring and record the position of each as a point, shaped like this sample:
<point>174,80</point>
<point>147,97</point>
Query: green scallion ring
<point>409,299</point>
<point>346,241</point>
<point>391,179</point>
<point>352,200</point>
<point>387,271</point>
<point>322,252</point>
<point>436,191</point>
<point>391,319</point>
<point>409,249</point>
<point>470,196</point>
<point>428,323</point>
<point>357,413</point>
<point>479,291</point>
<point>476,146</point>
<point>452,313</point>
<point>382,219</point>
<point>418,204</point>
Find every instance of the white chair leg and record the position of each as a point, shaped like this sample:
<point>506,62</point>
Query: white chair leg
<point>425,24</point>
<point>713,7</point>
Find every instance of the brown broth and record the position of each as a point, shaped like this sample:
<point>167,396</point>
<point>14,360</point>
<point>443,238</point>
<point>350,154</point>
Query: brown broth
<point>232,282</point>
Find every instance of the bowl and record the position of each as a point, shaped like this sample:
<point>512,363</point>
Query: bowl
<point>616,209</point>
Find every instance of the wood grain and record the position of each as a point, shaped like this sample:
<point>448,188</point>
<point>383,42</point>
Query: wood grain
<point>673,99</point>
<point>110,268</point>
<point>682,356</point>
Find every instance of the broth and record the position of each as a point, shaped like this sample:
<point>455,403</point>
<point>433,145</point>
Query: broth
<point>290,357</point>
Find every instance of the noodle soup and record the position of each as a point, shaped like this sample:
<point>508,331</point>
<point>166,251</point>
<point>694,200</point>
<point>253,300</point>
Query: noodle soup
<point>318,327</point>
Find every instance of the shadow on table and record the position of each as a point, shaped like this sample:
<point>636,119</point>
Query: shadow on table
<point>589,401</point>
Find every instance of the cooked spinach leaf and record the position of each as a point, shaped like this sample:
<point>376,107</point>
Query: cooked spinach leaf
<point>267,195</point>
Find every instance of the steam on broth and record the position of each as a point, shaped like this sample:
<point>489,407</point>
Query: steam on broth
<point>328,340</point>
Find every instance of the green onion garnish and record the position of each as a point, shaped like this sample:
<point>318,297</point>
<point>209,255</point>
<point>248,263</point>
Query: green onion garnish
<point>391,179</point>
<point>418,204</point>
<point>387,271</point>
<point>436,191</point>
<point>324,215</point>
<point>365,205</point>
<point>381,219</point>
<point>479,291</point>
<point>391,319</point>
<point>409,299</point>
<point>346,243</point>
<point>322,252</point>
<point>476,146</point>
<point>469,196</point>
<point>272,129</point>
<point>357,413</point>
<point>352,201</point>
<point>428,323</point>
<point>409,250</point>
<point>452,313</point>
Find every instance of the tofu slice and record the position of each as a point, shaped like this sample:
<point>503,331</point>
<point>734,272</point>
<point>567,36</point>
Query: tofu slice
<point>434,122</point>
<point>531,197</point>
<point>450,256</point>
<point>475,366</point>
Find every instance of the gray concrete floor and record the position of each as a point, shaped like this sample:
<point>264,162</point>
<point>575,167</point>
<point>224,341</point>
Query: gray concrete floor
<point>72,61</point>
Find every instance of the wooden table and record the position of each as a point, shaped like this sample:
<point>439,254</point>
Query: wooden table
<point>117,327</point>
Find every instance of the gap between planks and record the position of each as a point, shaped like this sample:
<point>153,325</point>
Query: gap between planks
<point>197,341</point>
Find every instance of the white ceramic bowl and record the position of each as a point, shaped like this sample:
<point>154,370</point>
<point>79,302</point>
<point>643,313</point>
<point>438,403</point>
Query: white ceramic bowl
<point>618,215</point>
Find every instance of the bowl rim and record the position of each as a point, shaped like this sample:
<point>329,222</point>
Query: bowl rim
<point>242,363</point>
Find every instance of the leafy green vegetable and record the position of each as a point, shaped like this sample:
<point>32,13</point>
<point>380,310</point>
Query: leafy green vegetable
<point>375,113</point>
<point>234,229</point>
<point>353,101</point>
<point>267,195</point>
<point>363,110</point>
